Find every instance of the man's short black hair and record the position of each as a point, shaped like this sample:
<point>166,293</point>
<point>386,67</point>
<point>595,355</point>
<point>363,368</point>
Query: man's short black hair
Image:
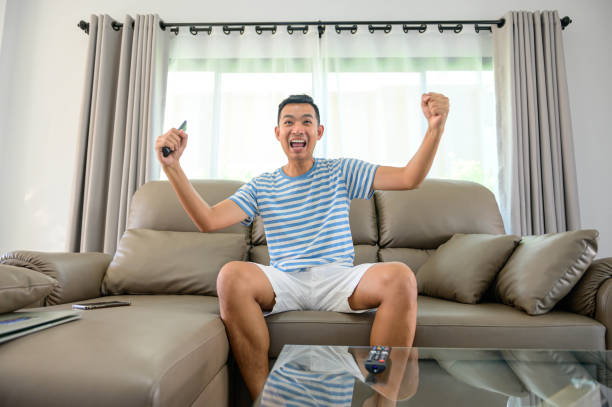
<point>298,99</point>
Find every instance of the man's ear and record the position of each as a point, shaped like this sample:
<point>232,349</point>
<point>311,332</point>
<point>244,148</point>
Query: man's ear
<point>277,132</point>
<point>320,131</point>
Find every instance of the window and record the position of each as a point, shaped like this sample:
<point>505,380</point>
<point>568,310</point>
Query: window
<point>370,104</point>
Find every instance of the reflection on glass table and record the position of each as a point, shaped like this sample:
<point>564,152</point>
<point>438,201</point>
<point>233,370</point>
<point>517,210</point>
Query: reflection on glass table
<point>336,376</point>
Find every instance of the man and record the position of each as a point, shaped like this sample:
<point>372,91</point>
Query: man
<point>304,207</point>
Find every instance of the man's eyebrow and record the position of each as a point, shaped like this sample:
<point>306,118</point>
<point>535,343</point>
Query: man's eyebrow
<point>290,116</point>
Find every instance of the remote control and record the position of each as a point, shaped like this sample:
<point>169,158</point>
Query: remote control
<point>166,150</point>
<point>377,359</point>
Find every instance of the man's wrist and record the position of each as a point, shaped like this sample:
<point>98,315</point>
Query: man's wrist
<point>435,132</point>
<point>172,168</point>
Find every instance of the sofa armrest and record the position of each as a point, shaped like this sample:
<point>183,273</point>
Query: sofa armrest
<point>603,313</point>
<point>583,297</point>
<point>79,274</point>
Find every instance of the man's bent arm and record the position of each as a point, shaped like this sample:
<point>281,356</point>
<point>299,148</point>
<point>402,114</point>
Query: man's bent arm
<point>207,219</point>
<point>435,108</point>
<point>412,175</point>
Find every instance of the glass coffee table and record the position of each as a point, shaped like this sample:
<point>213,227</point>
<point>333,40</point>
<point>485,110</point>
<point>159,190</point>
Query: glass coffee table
<point>306,375</point>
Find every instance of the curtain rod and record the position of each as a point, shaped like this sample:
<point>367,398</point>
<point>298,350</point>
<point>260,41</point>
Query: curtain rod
<point>420,26</point>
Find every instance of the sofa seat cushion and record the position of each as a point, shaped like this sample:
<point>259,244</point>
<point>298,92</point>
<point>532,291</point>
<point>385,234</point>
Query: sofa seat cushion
<point>318,328</point>
<point>443,323</point>
<point>161,350</point>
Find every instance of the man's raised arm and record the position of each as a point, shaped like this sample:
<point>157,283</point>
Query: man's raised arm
<point>206,218</point>
<point>435,108</point>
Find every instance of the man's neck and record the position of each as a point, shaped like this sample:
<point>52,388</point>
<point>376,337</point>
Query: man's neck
<point>298,167</point>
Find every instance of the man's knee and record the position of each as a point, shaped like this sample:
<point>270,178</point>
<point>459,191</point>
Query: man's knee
<point>240,282</point>
<point>232,280</point>
<point>400,281</point>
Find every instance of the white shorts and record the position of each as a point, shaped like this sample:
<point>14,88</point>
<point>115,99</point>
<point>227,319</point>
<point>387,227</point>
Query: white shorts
<point>320,288</point>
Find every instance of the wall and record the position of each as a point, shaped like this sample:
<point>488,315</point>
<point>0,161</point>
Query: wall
<point>2,8</point>
<point>41,73</point>
<point>2,90</point>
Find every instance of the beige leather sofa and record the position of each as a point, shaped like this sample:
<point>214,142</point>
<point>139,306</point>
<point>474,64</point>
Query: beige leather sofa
<point>172,350</point>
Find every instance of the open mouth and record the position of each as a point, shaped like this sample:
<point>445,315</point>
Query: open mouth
<point>297,145</point>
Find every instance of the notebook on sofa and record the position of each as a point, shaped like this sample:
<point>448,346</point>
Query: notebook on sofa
<point>16,324</point>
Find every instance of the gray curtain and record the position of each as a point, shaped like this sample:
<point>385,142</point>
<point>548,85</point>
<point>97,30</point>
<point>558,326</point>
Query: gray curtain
<point>538,185</point>
<point>121,114</point>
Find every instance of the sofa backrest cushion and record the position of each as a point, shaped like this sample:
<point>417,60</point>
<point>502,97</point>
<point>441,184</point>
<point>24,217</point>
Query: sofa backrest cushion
<point>156,206</point>
<point>162,262</point>
<point>428,216</point>
<point>402,226</point>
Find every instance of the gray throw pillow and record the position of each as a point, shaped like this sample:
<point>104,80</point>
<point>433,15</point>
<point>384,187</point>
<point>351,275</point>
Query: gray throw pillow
<point>164,262</point>
<point>543,269</point>
<point>463,268</point>
<point>583,297</point>
<point>20,287</point>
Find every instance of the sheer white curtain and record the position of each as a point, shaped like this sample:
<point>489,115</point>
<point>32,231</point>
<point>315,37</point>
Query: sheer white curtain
<point>228,88</point>
<point>374,87</point>
<point>368,87</point>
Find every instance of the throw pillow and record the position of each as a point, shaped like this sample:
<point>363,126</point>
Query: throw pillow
<point>583,297</point>
<point>543,269</point>
<point>463,268</point>
<point>20,287</point>
<point>164,262</point>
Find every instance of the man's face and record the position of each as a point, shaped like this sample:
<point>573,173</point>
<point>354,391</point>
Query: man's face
<point>298,130</point>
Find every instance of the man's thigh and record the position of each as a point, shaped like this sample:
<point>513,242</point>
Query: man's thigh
<point>377,282</point>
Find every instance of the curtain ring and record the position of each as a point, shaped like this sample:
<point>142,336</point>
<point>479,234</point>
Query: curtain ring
<point>195,30</point>
<point>479,28</point>
<point>421,28</point>
<point>259,29</point>
<point>290,29</point>
<point>227,29</point>
<point>385,28</point>
<point>351,28</point>
<point>457,28</point>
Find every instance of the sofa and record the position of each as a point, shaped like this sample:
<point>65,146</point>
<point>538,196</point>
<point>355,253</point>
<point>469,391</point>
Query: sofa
<point>170,348</point>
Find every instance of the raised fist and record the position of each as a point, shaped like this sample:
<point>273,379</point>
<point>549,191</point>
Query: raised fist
<point>435,108</point>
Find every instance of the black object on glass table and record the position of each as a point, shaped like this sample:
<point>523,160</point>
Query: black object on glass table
<point>377,359</point>
<point>166,150</point>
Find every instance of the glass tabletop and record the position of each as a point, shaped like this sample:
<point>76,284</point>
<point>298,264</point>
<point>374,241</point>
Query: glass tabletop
<point>307,375</point>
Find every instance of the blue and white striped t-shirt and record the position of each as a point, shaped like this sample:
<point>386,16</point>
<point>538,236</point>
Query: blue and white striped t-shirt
<point>306,218</point>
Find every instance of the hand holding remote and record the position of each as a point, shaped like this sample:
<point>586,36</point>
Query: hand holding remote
<point>175,140</point>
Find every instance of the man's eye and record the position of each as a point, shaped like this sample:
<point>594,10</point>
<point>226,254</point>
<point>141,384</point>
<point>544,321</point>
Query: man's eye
<point>307,121</point>
<point>288,122</point>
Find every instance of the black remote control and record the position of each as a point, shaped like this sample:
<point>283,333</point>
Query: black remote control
<point>166,150</point>
<point>378,359</point>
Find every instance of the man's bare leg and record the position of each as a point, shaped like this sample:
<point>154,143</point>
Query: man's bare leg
<point>392,288</point>
<point>244,290</point>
